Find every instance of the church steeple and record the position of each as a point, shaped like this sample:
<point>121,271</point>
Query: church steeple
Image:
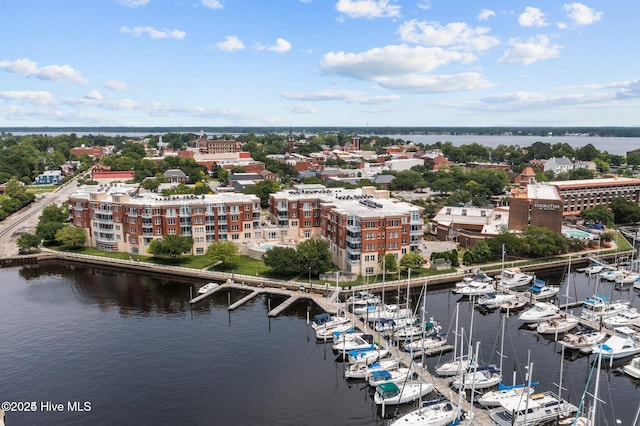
<point>292,141</point>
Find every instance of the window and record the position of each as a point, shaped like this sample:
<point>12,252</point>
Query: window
<point>368,270</point>
<point>247,226</point>
<point>199,250</point>
<point>157,221</point>
<point>235,228</point>
<point>171,221</point>
<point>307,234</point>
<point>158,231</point>
<point>235,236</point>
<point>234,218</point>
<point>172,231</point>
<point>247,234</point>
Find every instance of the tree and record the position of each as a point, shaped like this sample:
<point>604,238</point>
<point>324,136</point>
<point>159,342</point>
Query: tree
<point>314,253</point>
<point>150,184</point>
<point>170,246</point>
<point>481,252</point>
<point>283,260</point>
<point>224,252</point>
<point>411,260</point>
<point>388,263</point>
<point>71,235</point>
<point>262,190</point>
<point>541,241</point>
<point>598,214</point>
<point>47,230</point>
<point>408,180</point>
<point>54,213</point>
<point>27,240</point>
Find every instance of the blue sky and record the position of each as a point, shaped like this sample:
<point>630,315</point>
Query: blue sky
<point>319,63</point>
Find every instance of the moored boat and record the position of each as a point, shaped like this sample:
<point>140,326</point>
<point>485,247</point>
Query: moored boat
<point>582,340</point>
<point>403,393</point>
<point>540,311</point>
<point>557,324</point>
<point>513,278</point>
<point>362,371</point>
<point>494,398</point>
<point>439,412</point>
<point>540,408</point>
<point>633,368</point>
<point>618,346</point>
<point>207,288</point>
<point>328,321</point>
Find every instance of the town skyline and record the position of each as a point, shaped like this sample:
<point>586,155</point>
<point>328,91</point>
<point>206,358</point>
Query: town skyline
<point>351,63</point>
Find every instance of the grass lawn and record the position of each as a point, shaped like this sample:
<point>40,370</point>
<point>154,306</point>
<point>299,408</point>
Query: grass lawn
<point>41,189</point>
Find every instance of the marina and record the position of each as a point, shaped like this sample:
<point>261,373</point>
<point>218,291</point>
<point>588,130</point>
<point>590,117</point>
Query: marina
<point>93,285</point>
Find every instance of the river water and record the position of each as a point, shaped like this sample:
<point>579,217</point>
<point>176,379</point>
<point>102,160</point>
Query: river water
<point>133,348</point>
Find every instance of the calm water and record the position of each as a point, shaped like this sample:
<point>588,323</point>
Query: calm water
<point>132,347</point>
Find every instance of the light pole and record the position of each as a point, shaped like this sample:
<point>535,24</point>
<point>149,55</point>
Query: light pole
<point>310,278</point>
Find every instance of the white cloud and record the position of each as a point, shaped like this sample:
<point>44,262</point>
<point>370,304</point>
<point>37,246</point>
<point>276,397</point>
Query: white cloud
<point>538,48</point>
<point>36,97</point>
<point>457,35</point>
<point>322,95</point>
<point>230,44</point>
<point>485,14</point>
<point>117,85</point>
<point>369,9</point>
<point>133,3</point>
<point>153,33</point>
<point>424,4</point>
<point>281,46</point>
<point>212,4</point>
<point>429,83</point>
<point>532,17</point>
<point>302,109</point>
<point>94,95</point>
<point>30,68</point>
<point>390,60</point>
<point>376,100</point>
<point>581,14</point>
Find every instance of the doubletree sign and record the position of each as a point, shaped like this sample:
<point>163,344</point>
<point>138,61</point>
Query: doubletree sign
<point>545,206</point>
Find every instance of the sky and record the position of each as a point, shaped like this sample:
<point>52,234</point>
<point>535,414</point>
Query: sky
<point>319,63</point>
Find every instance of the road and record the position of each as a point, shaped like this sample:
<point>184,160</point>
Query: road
<point>26,219</point>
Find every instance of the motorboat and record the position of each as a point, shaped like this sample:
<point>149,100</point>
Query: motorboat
<point>367,357</point>
<point>540,311</point>
<point>613,274</point>
<point>624,317</point>
<point>599,308</point>
<point>403,393</point>
<point>438,412</point>
<point>478,378</point>
<point>426,343</point>
<point>369,308</point>
<point>479,277</point>
<point>389,312</point>
<point>475,288</point>
<point>594,269</point>
<point>505,392</point>
<point>362,371</point>
<point>207,288</point>
<point>537,409</point>
<point>513,278</point>
<point>582,340</point>
<point>633,368</point>
<point>362,298</point>
<point>541,291</point>
<point>391,325</point>
<point>557,324</point>
<point>515,305</point>
<point>328,321</point>
<point>398,375</point>
<point>619,345</point>
<point>353,341</point>
<point>627,278</point>
<point>495,300</point>
<point>332,333</point>
<point>453,368</point>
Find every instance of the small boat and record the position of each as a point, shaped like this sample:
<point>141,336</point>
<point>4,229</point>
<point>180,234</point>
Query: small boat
<point>618,346</point>
<point>627,278</point>
<point>582,340</point>
<point>516,305</point>
<point>633,368</point>
<point>393,394</point>
<point>513,278</point>
<point>557,324</point>
<point>495,300</point>
<point>328,321</point>
<point>538,409</point>
<point>389,312</point>
<point>494,398</point>
<point>208,287</point>
<point>478,378</point>
<point>390,325</point>
<point>331,333</point>
<point>398,375</point>
<point>362,298</point>
<point>426,343</point>
<point>624,317</point>
<point>367,357</point>
<point>353,341</point>
<point>599,308</point>
<point>362,371</point>
<point>541,291</point>
<point>475,288</point>
<point>480,277</point>
<point>416,330</point>
<point>453,368</point>
<point>439,412</point>
<point>613,274</point>
<point>593,269</point>
<point>540,311</point>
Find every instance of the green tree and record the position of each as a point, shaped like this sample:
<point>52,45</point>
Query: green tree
<point>170,246</point>
<point>624,211</point>
<point>283,260</point>
<point>314,253</point>
<point>598,214</point>
<point>27,240</point>
<point>542,242</point>
<point>388,263</point>
<point>224,252</point>
<point>150,184</point>
<point>263,190</point>
<point>47,230</point>
<point>71,235</point>
<point>411,260</point>
<point>481,251</point>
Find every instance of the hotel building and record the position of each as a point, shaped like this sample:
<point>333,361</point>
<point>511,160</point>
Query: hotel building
<point>588,193</point>
<point>361,225</point>
<point>117,219</point>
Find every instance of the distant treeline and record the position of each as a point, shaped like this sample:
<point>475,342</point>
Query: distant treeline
<point>539,131</point>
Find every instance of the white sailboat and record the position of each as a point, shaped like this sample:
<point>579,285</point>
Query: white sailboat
<point>439,412</point>
<point>393,394</point>
<point>362,371</point>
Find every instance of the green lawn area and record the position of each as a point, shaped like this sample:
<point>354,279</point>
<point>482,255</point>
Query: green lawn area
<point>41,189</point>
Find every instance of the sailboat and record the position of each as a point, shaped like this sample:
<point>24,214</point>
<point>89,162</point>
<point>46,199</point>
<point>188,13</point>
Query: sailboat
<point>437,412</point>
<point>504,392</point>
<point>459,363</point>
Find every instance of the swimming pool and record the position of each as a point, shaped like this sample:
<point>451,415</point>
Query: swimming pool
<point>577,233</point>
<point>266,247</point>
